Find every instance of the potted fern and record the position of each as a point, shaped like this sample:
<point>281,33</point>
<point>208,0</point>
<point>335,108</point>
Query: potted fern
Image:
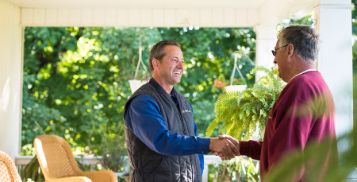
<point>243,115</point>
<point>240,113</point>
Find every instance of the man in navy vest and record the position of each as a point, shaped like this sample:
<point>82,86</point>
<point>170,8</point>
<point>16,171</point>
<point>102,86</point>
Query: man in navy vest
<point>160,128</point>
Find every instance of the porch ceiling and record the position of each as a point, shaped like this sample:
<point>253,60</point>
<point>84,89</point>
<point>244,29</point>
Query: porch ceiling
<point>136,3</point>
<point>205,13</point>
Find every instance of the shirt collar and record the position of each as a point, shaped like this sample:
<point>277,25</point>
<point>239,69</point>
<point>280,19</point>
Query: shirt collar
<point>305,71</point>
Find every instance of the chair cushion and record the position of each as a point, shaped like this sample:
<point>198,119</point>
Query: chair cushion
<point>4,173</point>
<point>57,159</point>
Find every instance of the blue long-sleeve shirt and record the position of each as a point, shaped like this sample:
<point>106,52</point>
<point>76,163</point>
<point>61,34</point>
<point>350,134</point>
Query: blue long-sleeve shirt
<point>145,120</point>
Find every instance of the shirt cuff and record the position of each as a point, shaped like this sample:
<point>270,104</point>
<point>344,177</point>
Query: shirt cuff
<point>250,148</point>
<point>203,144</point>
<point>244,147</point>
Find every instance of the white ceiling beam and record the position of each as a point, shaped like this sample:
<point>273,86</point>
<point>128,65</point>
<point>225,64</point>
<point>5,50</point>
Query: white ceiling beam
<point>205,17</point>
<point>136,3</point>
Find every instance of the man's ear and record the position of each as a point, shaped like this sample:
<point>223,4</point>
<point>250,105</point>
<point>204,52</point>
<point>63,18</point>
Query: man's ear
<point>155,63</point>
<point>291,49</point>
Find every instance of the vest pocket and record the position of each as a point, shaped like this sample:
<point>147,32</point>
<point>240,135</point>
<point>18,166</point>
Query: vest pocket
<point>151,164</point>
<point>164,170</point>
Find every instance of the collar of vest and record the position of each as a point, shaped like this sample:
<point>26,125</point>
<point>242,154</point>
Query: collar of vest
<point>160,89</point>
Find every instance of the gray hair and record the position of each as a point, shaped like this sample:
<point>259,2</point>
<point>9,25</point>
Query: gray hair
<point>304,39</point>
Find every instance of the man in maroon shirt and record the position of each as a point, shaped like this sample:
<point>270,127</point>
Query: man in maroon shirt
<point>304,111</point>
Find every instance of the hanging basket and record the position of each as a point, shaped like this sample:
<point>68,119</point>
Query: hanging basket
<point>135,84</point>
<point>235,88</point>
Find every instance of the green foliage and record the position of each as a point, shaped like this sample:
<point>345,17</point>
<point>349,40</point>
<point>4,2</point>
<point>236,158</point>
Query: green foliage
<point>354,17</point>
<point>313,159</point>
<point>235,170</point>
<point>112,146</point>
<point>240,113</point>
<point>67,84</point>
<point>306,20</point>
<point>32,171</point>
<point>354,58</point>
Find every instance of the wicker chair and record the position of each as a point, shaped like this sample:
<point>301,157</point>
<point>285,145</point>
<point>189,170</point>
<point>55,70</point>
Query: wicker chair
<point>58,164</point>
<point>8,172</point>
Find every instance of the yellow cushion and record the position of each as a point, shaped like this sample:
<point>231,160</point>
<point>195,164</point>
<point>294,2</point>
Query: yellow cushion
<point>4,173</point>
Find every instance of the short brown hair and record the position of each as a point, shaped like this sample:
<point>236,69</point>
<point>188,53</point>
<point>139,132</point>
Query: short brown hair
<point>304,39</point>
<point>157,51</point>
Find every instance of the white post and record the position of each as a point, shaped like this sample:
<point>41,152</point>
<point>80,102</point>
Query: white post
<point>10,78</point>
<point>334,26</point>
<point>265,42</point>
<point>209,159</point>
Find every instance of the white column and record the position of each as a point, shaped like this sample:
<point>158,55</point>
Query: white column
<point>265,42</point>
<point>10,78</point>
<point>334,26</point>
<point>209,159</point>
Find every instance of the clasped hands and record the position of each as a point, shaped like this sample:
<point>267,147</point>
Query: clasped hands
<point>225,147</point>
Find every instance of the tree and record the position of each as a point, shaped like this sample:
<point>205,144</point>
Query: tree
<point>75,79</point>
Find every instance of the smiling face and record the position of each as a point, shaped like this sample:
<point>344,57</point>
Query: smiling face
<point>169,69</point>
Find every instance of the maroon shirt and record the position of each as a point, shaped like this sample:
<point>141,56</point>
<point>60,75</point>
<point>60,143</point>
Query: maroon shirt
<point>304,112</point>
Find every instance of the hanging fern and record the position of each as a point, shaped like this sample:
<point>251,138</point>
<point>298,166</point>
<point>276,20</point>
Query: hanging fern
<point>240,113</point>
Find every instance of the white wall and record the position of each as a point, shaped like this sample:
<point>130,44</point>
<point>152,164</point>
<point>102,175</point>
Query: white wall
<point>10,78</point>
<point>335,57</point>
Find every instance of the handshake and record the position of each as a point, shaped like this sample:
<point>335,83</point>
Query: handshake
<point>225,147</point>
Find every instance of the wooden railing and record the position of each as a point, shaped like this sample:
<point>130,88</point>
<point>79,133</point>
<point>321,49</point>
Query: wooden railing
<point>23,160</point>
